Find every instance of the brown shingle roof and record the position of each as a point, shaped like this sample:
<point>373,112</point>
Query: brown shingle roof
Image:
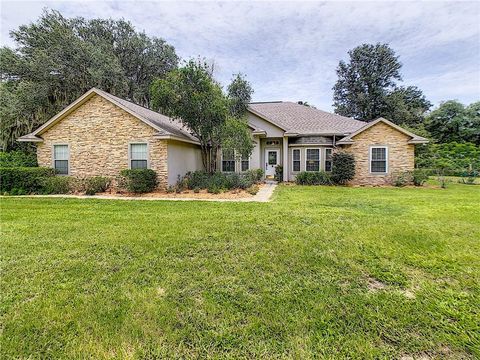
<point>167,125</point>
<point>301,119</point>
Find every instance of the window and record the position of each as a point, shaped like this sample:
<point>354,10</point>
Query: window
<point>61,157</point>
<point>138,156</point>
<point>272,157</point>
<point>296,159</point>
<point>272,142</point>
<point>245,164</point>
<point>378,159</point>
<point>228,161</point>
<point>328,159</point>
<point>312,161</point>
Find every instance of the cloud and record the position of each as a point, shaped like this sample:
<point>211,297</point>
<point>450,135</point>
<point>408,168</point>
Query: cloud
<point>289,50</point>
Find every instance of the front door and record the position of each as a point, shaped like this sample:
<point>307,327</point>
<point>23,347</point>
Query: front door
<point>272,159</point>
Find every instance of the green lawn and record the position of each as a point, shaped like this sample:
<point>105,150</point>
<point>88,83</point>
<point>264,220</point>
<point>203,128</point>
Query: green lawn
<point>288,279</point>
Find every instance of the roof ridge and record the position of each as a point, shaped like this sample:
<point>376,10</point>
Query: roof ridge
<point>131,102</point>
<point>266,102</point>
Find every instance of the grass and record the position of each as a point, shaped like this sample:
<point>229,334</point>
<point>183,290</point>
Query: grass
<point>287,279</point>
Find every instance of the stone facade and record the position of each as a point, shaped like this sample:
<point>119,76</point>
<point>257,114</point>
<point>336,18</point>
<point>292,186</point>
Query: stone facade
<point>98,134</point>
<point>400,153</point>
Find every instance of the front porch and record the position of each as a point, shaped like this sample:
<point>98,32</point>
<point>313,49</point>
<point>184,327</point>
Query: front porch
<point>293,154</point>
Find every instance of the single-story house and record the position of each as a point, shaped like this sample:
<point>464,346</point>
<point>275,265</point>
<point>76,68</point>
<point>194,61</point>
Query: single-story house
<point>101,134</point>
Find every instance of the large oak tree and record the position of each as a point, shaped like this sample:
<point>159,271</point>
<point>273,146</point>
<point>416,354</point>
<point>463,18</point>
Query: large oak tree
<point>56,59</point>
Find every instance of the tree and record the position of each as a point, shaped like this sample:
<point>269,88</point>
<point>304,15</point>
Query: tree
<point>406,106</point>
<point>451,122</point>
<point>57,59</point>
<point>471,131</point>
<point>364,82</point>
<point>367,87</point>
<point>191,95</point>
<point>240,94</point>
<point>236,133</point>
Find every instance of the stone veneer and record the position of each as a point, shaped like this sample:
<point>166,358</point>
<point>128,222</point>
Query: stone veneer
<point>400,153</point>
<point>99,134</point>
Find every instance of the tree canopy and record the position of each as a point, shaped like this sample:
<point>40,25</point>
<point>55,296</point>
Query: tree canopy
<point>367,87</point>
<point>57,59</point>
<point>191,95</point>
<point>452,121</point>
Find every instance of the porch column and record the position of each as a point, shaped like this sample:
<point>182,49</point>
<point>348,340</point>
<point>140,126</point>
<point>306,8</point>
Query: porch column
<point>285,158</point>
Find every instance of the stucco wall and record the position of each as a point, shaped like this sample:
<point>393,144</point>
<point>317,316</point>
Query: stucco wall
<point>182,158</point>
<point>255,156</point>
<point>400,154</point>
<point>259,123</point>
<point>99,134</point>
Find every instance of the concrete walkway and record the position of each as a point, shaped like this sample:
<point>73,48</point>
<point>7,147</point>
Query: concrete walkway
<point>263,195</point>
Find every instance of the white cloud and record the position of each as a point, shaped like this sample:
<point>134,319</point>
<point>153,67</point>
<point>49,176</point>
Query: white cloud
<point>289,50</point>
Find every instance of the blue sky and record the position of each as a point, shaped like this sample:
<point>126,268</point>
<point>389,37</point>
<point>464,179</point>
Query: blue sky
<point>289,50</point>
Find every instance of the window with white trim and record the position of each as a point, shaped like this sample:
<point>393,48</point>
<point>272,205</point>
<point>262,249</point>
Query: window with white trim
<point>378,159</point>
<point>228,160</point>
<point>244,163</point>
<point>296,160</point>
<point>312,160</point>
<point>61,158</point>
<point>139,156</point>
<point>328,159</point>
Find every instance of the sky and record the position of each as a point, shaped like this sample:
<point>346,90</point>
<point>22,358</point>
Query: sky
<point>289,50</point>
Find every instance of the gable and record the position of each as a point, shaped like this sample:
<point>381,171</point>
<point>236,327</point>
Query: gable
<point>387,127</point>
<point>166,128</point>
<point>381,131</point>
<point>99,118</point>
<point>259,124</point>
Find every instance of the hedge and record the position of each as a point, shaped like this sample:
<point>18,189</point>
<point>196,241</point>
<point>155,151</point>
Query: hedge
<point>26,180</point>
<point>313,178</point>
<point>17,159</point>
<point>343,167</point>
<point>138,180</point>
<point>219,181</point>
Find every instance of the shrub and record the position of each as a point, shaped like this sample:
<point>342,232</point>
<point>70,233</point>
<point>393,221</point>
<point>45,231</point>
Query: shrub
<point>213,189</point>
<point>138,180</point>
<point>313,178</point>
<point>57,185</point>
<point>343,167</point>
<point>278,173</point>
<point>17,159</point>
<point>222,181</point>
<point>254,175</point>
<point>401,178</point>
<point>236,181</point>
<point>27,180</point>
<point>419,177</point>
<point>96,184</point>
<point>253,190</point>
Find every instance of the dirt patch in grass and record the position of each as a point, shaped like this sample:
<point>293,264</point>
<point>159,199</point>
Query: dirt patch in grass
<point>375,285</point>
<point>443,352</point>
